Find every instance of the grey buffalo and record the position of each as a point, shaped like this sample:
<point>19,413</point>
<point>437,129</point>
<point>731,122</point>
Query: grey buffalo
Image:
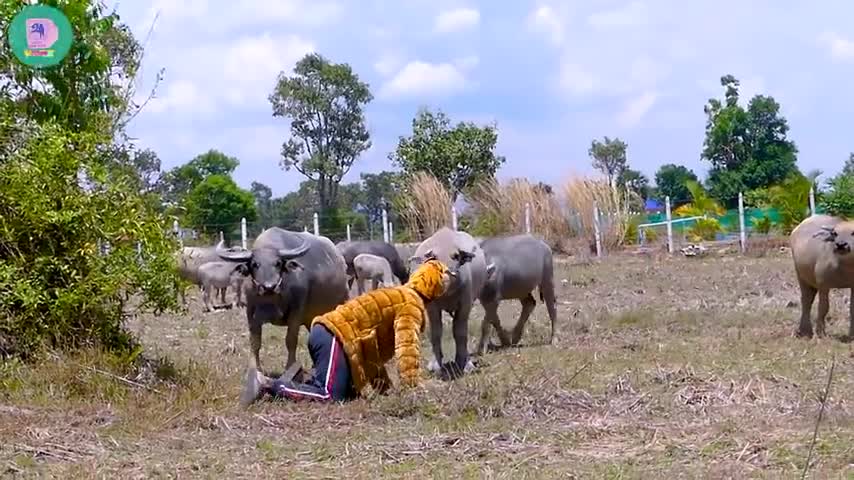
<point>374,268</point>
<point>823,253</point>
<point>516,265</point>
<point>459,251</point>
<point>293,277</point>
<point>190,259</point>
<point>219,276</point>
<point>375,247</point>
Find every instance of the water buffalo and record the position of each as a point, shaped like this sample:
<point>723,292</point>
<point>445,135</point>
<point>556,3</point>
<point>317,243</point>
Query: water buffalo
<point>375,247</point>
<point>515,266</point>
<point>294,276</point>
<point>220,275</point>
<point>459,251</point>
<point>822,252</point>
<point>190,259</point>
<point>374,268</point>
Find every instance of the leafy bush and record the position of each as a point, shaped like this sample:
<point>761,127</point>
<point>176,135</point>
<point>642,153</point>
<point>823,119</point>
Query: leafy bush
<point>839,200</point>
<point>791,199</point>
<point>704,229</point>
<point>57,204</point>
<point>763,225</point>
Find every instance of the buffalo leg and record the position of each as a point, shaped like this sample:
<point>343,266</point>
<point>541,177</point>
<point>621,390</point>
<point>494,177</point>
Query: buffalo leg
<point>807,299</point>
<point>206,297</point>
<point>547,291</point>
<point>292,336</point>
<point>434,316</point>
<point>528,304</point>
<point>823,308</point>
<point>222,292</point>
<point>254,341</point>
<point>491,319</point>
<point>461,338</point>
<point>360,285</point>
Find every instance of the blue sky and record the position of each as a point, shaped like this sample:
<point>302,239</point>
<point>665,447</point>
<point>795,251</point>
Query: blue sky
<point>553,75</point>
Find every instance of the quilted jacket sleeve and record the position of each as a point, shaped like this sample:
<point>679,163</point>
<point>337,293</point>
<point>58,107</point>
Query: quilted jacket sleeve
<point>407,345</point>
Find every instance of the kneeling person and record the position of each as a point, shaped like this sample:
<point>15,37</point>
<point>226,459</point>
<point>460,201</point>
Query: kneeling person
<point>350,345</point>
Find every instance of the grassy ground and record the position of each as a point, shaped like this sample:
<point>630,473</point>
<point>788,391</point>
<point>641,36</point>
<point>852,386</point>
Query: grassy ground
<point>683,367</point>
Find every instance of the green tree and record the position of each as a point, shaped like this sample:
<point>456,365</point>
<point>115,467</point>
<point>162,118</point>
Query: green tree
<point>848,169</point>
<point>634,181</point>
<point>839,198</point>
<point>66,186</point>
<point>609,157</point>
<point>747,148</point>
<point>263,203</point>
<point>380,190</point>
<point>324,102</point>
<point>791,198</point>
<point>91,90</point>
<point>179,181</point>
<point>670,181</point>
<point>218,203</point>
<point>457,156</point>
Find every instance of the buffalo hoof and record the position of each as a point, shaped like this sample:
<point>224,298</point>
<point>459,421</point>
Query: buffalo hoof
<point>803,333</point>
<point>433,366</point>
<point>251,387</point>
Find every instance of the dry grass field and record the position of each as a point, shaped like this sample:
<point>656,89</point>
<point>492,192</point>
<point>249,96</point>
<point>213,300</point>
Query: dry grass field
<point>663,368</point>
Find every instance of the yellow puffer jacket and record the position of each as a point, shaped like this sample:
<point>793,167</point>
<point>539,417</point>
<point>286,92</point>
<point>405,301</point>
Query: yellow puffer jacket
<point>383,323</point>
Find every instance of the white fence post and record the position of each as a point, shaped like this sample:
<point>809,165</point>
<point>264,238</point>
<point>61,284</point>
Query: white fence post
<point>348,232</point>
<point>454,217</point>
<point>243,232</point>
<point>596,232</point>
<point>304,228</point>
<point>385,226</point>
<point>812,201</point>
<point>177,231</point>
<point>221,236</point>
<point>390,232</point>
<point>528,218</point>
<point>669,219</point>
<point>316,224</point>
<point>741,231</point>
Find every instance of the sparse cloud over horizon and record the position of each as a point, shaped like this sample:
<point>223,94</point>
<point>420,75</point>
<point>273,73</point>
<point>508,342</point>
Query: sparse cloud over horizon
<point>553,75</point>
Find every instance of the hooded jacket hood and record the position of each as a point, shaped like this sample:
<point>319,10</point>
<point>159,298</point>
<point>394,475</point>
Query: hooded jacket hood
<point>428,279</point>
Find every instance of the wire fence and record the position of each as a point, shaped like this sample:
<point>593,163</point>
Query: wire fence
<point>659,226</point>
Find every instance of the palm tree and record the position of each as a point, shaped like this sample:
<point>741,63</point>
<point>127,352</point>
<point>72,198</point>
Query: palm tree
<point>791,198</point>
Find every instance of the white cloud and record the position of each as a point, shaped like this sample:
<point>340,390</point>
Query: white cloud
<point>252,64</point>
<point>545,19</point>
<point>467,63</point>
<point>631,14</point>
<point>575,79</point>
<point>456,20</point>
<point>241,73</point>
<point>636,108</point>
<point>181,95</point>
<point>840,48</point>
<point>388,63</point>
<point>419,78</point>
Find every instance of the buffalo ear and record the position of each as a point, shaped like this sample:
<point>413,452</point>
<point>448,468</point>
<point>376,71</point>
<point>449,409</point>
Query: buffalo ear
<point>293,266</point>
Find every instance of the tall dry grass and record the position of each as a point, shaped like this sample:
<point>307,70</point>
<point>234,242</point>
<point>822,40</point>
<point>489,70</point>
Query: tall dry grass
<point>581,193</point>
<point>425,205</point>
<point>500,209</point>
